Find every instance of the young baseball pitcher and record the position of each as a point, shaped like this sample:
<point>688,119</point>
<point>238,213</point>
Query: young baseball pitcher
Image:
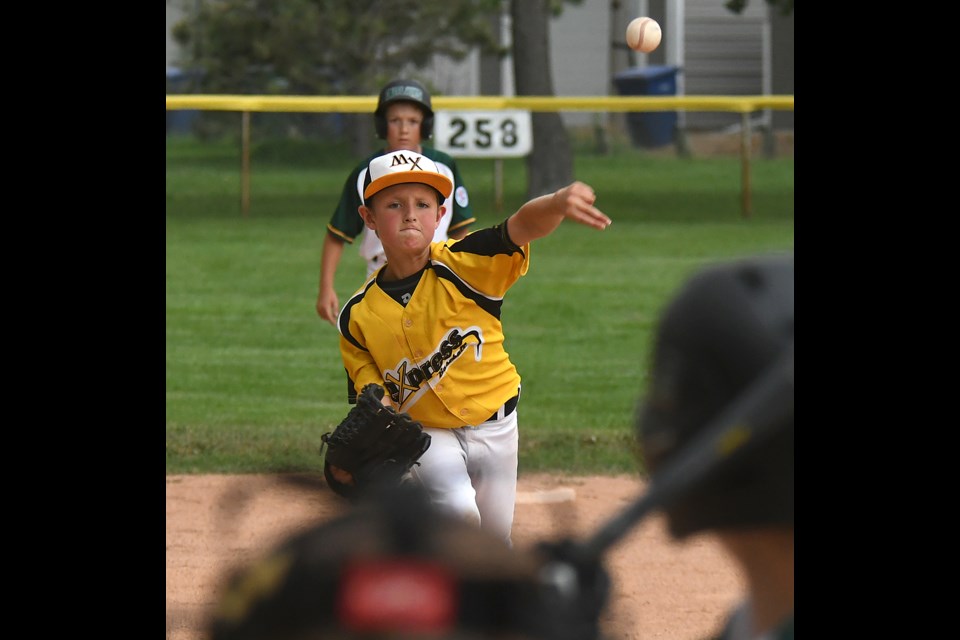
<point>427,327</point>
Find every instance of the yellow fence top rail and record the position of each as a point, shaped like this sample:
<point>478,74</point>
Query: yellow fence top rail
<point>366,104</point>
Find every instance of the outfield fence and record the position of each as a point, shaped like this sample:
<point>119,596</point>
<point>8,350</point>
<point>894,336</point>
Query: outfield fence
<point>744,105</point>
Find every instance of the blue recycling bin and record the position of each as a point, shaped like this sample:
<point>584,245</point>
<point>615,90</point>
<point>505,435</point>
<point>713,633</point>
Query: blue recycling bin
<point>650,129</point>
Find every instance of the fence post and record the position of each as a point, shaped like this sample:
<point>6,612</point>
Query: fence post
<point>746,139</point>
<point>498,184</point>
<point>245,165</point>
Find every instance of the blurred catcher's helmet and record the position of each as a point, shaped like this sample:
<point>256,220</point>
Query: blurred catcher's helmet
<point>719,336</point>
<point>393,568</point>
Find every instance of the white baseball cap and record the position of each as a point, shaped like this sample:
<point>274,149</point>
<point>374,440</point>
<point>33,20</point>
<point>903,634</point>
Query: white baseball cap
<point>402,166</point>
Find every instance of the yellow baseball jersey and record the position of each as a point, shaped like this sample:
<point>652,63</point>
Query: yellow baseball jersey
<point>438,346</point>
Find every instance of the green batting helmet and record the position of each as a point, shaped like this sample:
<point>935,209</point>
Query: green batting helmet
<point>408,91</point>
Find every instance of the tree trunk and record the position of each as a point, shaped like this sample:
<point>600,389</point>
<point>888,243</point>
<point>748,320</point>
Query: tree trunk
<point>550,163</point>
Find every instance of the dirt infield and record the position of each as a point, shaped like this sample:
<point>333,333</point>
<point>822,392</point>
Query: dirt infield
<point>662,589</point>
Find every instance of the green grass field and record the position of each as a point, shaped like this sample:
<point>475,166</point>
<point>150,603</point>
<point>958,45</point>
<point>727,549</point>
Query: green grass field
<point>253,376</point>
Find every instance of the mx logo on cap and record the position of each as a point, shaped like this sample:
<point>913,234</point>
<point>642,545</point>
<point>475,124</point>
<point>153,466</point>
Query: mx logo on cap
<point>400,167</point>
<point>410,160</point>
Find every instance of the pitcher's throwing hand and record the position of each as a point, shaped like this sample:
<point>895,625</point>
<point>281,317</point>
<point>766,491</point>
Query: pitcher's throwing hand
<point>578,199</point>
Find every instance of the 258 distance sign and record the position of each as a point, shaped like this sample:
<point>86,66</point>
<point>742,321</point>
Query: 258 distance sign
<point>483,134</point>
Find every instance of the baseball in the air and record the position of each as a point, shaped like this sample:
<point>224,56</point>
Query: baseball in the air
<point>643,34</point>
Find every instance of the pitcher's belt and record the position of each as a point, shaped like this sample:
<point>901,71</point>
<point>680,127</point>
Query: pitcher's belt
<point>508,407</point>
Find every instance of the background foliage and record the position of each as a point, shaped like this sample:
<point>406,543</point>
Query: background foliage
<point>321,47</point>
<point>318,47</point>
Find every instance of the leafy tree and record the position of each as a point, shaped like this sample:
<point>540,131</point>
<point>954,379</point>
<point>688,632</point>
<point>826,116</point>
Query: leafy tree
<point>307,47</point>
<point>323,47</point>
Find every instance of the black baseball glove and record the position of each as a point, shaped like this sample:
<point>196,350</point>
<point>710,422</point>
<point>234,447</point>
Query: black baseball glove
<point>374,446</point>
